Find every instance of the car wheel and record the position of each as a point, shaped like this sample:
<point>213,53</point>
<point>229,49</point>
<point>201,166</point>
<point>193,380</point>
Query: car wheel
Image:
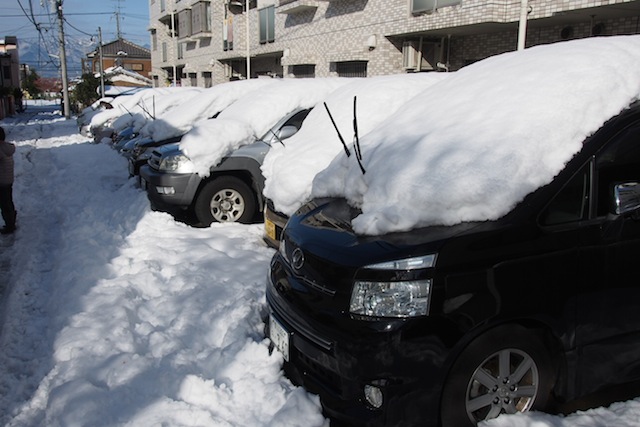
<point>225,199</point>
<point>506,370</point>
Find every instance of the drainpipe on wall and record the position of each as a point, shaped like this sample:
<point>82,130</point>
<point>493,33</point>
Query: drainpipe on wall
<point>522,28</point>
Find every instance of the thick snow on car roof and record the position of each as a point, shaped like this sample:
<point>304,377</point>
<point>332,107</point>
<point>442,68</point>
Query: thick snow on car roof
<point>149,108</point>
<point>471,147</point>
<point>132,104</point>
<point>250,117</point>
<point>207,104</point>
<point>289,170</point>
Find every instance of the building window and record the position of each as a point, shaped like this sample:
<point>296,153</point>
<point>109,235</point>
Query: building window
<point>267,24</point>
<point>303,71</point>
<point>164,51</point>
<point>352,69</point>
<point>180,50</point>
<point>163,5</point>
<point>134,66</point>
<point>227,33</point>
<point>206,75</point>
<point>428,6</point>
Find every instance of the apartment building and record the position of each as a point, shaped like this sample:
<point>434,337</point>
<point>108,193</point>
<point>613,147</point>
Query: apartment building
<point>205,42</point>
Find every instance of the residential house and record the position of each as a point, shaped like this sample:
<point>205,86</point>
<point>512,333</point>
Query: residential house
<point>123,63</point>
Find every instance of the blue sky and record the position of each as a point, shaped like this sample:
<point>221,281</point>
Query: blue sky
<point>82,20</point>
<point>83,17</point>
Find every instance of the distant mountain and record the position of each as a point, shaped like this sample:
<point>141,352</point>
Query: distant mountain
<point>43,57</point>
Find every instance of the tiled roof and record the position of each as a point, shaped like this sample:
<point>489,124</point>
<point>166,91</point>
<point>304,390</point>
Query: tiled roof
<point>132,50</point>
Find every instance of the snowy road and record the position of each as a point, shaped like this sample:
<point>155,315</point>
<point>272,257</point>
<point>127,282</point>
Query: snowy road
<point>115,315</point>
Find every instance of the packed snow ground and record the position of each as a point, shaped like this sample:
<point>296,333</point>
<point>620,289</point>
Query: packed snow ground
<point>114,315</point>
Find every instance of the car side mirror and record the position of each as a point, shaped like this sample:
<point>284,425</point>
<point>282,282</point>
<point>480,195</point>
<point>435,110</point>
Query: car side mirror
<point>627,197</point>
<point>287,131</point>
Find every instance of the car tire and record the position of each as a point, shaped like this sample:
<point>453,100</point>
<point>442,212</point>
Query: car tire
<point>477,388</point>
<point>225,199</point>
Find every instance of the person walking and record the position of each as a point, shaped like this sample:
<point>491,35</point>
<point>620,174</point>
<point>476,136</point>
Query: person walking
<point>6,185</point>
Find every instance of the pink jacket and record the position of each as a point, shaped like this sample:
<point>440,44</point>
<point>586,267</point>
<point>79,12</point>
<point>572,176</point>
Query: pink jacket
<point>6,162</point>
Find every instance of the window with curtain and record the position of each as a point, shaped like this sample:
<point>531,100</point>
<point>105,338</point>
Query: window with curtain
<point>267,24</point>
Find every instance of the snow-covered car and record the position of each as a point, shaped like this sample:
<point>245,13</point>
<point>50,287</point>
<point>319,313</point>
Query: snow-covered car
<point>172,126</point>
<point>233,190</point>
<point>184,177</point>
<point>485,262</point>
<point>358,106</point>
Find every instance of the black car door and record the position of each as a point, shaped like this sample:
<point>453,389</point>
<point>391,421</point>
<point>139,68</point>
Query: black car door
<point>608,303</point>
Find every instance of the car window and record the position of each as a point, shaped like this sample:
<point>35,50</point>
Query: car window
<point>297,119</point>
<point>618,162</point>
<point>572,202</point>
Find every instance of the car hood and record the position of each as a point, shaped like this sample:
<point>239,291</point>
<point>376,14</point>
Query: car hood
<point>323,227</point>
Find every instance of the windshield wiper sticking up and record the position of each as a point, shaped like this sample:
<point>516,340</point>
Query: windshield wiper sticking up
<point>277,138</point>
<point>356,139</point>
<point>344,144</point>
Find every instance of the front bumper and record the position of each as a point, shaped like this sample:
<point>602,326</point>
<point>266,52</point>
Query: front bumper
<point>169,189</point>
<point>337,363</point>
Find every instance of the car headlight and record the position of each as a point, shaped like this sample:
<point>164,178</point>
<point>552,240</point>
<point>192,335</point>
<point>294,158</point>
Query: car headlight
<point>405,298</point>
<point>177,163</point>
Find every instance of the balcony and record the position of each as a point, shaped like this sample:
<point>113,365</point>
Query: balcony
<point>296,6</point>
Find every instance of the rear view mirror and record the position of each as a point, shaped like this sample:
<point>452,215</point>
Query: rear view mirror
<point>287,131</point>
<point>627,197</point>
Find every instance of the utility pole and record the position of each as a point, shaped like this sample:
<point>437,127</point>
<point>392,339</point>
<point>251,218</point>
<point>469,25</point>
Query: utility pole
<point>63,62</point>
<point>101,67</point>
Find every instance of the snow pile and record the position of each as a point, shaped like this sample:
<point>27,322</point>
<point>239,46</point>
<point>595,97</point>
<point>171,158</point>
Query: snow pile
<point>250,117</point>
<point>474,145</point>
<point>317,143</point>
<point>115,315</point>
<point>207,104</point>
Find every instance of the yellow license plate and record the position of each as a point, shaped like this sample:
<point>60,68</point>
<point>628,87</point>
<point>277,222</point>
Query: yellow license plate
<point>270,229</point>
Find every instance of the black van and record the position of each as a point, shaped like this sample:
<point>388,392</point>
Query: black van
<point>451,325</point>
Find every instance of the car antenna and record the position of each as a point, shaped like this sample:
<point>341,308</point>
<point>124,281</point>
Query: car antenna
<point>346,149</point>
<point>356,139</point>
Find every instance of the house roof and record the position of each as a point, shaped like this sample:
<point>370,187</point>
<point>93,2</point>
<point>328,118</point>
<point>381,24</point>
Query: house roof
<point>112,49</point>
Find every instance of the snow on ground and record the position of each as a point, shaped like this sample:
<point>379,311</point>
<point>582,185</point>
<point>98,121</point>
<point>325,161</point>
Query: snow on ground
<point>114,315</point>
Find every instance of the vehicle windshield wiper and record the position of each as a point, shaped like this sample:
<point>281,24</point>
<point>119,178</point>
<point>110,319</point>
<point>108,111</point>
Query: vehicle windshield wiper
<point>346,149</point>
<point>356,139</point>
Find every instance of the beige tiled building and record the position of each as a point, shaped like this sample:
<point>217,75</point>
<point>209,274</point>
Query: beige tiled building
<point>209,42</point>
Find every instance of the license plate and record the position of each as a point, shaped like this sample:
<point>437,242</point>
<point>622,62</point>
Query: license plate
<point>270,229</point>
<point>279,336</point>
